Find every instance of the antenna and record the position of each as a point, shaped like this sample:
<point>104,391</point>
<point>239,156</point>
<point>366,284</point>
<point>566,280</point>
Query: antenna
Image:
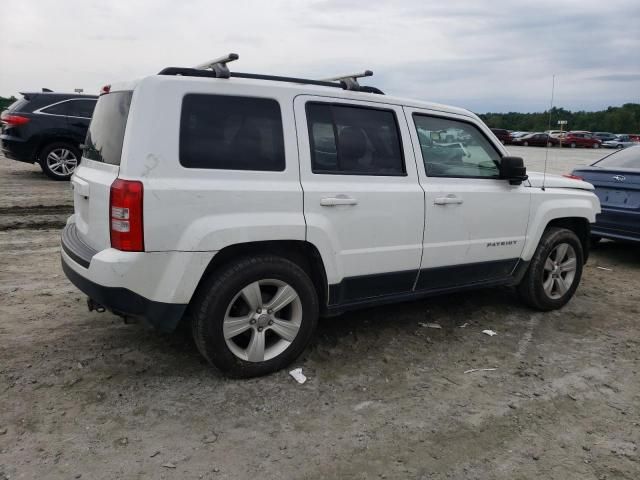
<point>350,81</point>
<point>546,152</point>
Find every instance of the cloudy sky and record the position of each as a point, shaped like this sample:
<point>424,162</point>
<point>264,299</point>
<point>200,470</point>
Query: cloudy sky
<point>497,55</point>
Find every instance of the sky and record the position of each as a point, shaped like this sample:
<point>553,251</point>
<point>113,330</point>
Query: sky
<point>487,56</point>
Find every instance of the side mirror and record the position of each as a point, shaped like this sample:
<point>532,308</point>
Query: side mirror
<point>513,169</point>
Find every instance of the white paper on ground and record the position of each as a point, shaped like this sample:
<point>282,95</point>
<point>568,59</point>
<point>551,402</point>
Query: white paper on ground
<point>430,325</point>
<point>297,374</point>
<point>491,333</point>
<point>480,370</point>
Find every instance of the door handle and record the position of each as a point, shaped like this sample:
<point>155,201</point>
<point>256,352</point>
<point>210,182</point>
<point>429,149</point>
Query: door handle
<point>338,200</point>
<point>450,199</point>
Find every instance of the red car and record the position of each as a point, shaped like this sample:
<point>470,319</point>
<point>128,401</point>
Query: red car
<point>580,139</point>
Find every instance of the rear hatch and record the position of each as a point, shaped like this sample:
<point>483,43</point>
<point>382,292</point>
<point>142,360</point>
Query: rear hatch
<point>99,167</point>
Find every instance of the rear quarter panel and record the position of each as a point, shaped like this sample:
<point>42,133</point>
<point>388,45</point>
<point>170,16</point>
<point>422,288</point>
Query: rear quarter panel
<point>187,209</point>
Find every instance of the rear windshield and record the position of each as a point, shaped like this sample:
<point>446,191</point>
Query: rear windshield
<point>627,158</point>
<point>106,131</point>
<point>18,105</point>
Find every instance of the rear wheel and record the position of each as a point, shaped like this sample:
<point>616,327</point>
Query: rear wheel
<point>255,316</point>
<point>59,160</point>
<point>554,272</point>
<point>572,145</point>
<point>596,145</point>
<point>525,143</point>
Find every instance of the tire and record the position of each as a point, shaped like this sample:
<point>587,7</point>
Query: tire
<point>526,144</point>
<point>572,145</point>
<point>227,303</point>
<point>534,289</point>
<point>619,146</point>
<point>596,145</point>
<point>58,160</point>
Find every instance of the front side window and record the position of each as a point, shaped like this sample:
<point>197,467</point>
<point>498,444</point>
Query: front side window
<point>452,148</point>
<point>231,133</point>
<point>352,140</point>
<point>82,108</point>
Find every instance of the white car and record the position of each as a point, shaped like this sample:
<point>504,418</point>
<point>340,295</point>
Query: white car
<point>251,205</point>
<point>621,141</point>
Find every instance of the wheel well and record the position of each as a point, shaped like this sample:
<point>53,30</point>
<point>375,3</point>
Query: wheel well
<point>304,254</point>
<point>579,226</point>
<point>49,140</point>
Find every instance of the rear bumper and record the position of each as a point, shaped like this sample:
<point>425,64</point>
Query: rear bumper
<point>155,286</point>
<point>17,149</point>
<point>162,316</point>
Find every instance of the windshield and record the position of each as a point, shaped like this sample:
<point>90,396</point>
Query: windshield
<point>106,131</point>
<point>627,158</point>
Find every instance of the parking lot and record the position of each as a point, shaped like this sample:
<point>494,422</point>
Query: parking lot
<point>85,396</point>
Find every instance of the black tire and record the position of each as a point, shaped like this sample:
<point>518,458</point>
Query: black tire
<point>531,289</point>
<point>572,145</point>
<point>66,169</point>
<point>215,297</point>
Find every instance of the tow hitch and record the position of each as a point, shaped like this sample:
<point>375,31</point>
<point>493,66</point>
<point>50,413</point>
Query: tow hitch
<point>92,305</point>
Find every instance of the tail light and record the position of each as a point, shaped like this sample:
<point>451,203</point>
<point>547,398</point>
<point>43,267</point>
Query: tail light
<point>13,120</point>
<point>105,89</point>
<point>125,215</point>
<point>572,176</point>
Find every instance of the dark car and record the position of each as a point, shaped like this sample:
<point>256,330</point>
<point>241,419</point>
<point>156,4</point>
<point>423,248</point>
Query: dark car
<point>604,136</point>
<point>617,181</point>
<point>536,139</point>
<point>47,128</point>
<point>581,139</point>
<point>503,135</point>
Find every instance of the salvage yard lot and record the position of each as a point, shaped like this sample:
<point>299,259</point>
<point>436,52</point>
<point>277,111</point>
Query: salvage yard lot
<point>84,394</point>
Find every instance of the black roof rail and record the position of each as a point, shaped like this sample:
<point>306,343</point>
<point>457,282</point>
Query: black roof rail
<point>218,69</point>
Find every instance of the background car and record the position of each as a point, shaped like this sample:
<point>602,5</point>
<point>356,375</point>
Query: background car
<point>581,139</point>
<point>617,181</point>
<point>604,136</point>
<point>47,128</point>
<point>621,141</point>
<point>503,135</point>
<point>536,139</point>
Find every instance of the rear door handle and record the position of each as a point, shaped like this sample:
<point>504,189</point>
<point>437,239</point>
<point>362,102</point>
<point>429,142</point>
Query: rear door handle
<point>448,200</point>
<point>338,200</point>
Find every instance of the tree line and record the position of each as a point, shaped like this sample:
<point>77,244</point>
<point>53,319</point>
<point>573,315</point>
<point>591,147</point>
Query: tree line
<point>624,119</point>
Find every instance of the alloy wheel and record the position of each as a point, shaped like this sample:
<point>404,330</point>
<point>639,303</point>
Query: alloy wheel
<point>262,320</point>
<point>559,271</point>
<point>62,161</point>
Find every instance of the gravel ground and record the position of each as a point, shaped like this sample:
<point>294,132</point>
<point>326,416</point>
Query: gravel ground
<point>85,396</point>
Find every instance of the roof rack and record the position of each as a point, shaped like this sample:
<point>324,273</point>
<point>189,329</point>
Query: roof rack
<point>350,81</point>
<point>217,68</point>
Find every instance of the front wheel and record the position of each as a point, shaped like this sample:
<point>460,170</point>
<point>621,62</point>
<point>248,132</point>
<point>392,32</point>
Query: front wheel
<point>572,145</point>
<point>255,316</point>
<point>526,144</point>
<point>59,160</point>
<point>596,145</point>
<point>554,272</point>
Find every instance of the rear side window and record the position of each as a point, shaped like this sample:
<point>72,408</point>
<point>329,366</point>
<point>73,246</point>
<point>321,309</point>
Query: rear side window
<point>63,108</point>
<point>72,108</point>
<point>231,133</point>
<point>351,140</point>
<point>18,105</point>
<point>106,131</point>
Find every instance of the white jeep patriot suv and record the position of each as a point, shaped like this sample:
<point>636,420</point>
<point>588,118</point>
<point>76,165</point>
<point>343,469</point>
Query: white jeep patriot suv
<point>251,204</point>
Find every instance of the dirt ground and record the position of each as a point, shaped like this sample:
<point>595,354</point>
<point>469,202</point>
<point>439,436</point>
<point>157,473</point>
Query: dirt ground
<point>83,395</point>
